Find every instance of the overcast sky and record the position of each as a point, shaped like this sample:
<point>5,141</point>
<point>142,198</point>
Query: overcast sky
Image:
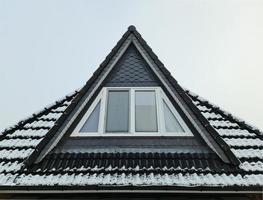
<point>50,48</point>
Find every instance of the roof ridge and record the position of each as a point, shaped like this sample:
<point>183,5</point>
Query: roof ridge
<point>226,113</point>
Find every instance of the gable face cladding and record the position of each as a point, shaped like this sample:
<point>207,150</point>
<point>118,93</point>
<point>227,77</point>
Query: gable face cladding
<point>132,129</point>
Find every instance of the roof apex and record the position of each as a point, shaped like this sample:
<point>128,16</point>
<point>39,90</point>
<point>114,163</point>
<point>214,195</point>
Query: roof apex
<point>131,28</point>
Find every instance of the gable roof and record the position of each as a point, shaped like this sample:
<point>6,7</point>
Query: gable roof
<point>20,144</point>
<point>81,103</point>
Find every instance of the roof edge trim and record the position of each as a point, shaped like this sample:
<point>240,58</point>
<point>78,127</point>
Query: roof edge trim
<point>231,156</point>
<point>131,189</point>
<point>36,155</point>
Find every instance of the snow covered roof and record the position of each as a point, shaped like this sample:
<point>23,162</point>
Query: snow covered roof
<point>167,169</point>
<point>23,142</point>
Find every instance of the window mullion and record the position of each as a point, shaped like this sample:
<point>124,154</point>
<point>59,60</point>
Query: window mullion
<point>102,111</point>
<point>160,118</point>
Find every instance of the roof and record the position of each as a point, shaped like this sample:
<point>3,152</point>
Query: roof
<point>20,145</point>
<point>188,112</point>
<point>168,169</point>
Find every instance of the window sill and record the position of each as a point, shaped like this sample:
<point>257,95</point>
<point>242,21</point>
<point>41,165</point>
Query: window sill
<point>144,134</point>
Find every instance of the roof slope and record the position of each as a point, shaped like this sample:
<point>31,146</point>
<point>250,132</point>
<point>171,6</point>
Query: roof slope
<point>134,169</point>
<point>107,169</point>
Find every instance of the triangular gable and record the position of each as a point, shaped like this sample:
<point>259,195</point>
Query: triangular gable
<point>175,93</point>
<point>131,71</point>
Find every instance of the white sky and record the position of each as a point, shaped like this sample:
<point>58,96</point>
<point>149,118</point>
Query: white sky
<point>50,48</point>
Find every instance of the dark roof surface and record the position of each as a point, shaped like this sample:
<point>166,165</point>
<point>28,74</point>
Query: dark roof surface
<point>197,169</point>
<point>141,168</point>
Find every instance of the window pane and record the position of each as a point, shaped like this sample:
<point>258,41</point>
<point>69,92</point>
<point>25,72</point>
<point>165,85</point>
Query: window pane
<point>91,125</point>
<point>145,111</point>
<point>171,123</point>
<point>118,111</point>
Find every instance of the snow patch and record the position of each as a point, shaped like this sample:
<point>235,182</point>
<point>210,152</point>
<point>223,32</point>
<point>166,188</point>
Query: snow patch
<point>15,154</point>
<point>28,133</point>
<point>151,179</point>
<point>248,153</point>
<point>235,132</point>
<point>19,143</point>
<point>252,166</point>
<point>238,142</point>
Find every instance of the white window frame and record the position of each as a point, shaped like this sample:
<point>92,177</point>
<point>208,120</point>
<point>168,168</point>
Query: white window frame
<point>103,98</point>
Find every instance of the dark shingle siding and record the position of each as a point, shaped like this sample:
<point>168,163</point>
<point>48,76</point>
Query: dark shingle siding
<point>132,71</point>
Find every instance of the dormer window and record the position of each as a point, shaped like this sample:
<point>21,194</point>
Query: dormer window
<point>131,112</point>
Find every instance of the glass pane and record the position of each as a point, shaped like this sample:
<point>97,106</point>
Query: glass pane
<point>145,111</point>
<point>92,123</point>
<point>171,123</point>
<point>118,111</point>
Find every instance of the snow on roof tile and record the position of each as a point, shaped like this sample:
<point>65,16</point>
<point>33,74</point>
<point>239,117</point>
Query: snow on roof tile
<point>197,100</point>
<point>52,115</point>
<point>252,166</point>
<point>29,135</point>
<point>244,142</point>
<point>13,143</point>
<point>217,123</point>
<point>10,166</point>
<point>7,179</point>
<point>15,154</point>
<point>203,108</point>
<point>235,132</point>
<point>137,179</point>
<point>212,115</point>
<point>36,124</point>
<point>248,153</point>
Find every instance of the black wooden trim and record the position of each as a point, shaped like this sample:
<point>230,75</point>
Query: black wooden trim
<point>40,147</point>
<point>234,160</point>
<point>133,189</point>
